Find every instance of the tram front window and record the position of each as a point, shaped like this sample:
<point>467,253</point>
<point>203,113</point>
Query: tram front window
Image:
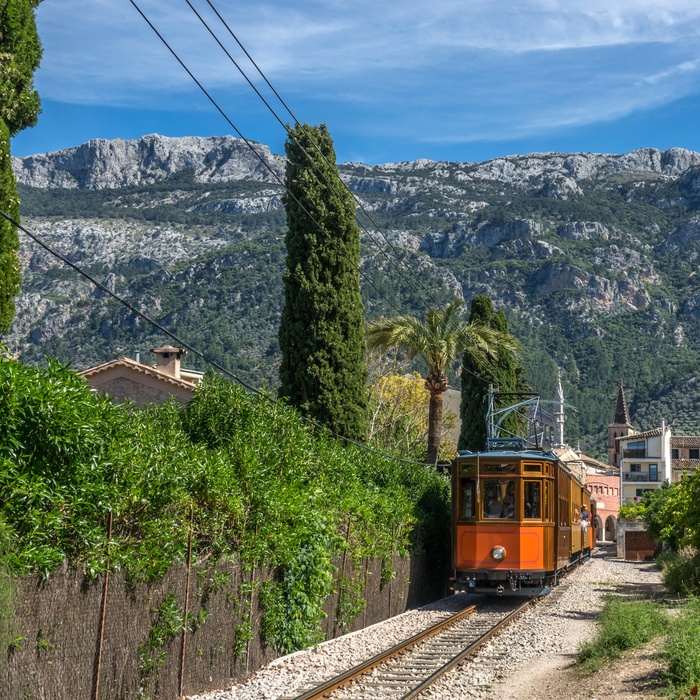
<point>499,498</point>
<point>533,508</point>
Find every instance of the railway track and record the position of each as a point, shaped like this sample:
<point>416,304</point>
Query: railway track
<point>407,669</point>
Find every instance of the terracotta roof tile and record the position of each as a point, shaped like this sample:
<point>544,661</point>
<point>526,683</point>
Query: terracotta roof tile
<point>138,367</point>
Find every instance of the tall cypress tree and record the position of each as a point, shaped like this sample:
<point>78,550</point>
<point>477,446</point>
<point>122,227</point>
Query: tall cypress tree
<point>20,53</point>
<point>323,369</point>
<point>507,374</point>
<point>474,387</point>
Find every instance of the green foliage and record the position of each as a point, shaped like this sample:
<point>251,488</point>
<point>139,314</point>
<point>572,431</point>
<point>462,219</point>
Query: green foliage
<point>265,487</point>
<point>9,241</point>
<point>622,625</point>
<point>681,571</point>
<point>682,649</point>
<point>658,511</point>
<point>399,408</point>
<point>323,370</point>
<point>350,601</point>
<point>505,373</point>
<point>294,604</point>
<point>20,53</point>
<point>437,340</point>
<point>169,621</point>
<point>474,386</point>
<point>242,636</point>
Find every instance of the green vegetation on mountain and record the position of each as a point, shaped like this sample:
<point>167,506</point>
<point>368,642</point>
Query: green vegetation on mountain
<point>599,280</point>
<point>20,54</point>
<point>323,371</point>
<point>264,485</point>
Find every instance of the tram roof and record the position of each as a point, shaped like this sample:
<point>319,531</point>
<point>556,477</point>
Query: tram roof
<point>511,454</point>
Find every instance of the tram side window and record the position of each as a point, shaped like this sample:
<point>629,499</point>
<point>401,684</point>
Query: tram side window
<point>468,507</point>
<point>533,501</point>
<point>499,498</point>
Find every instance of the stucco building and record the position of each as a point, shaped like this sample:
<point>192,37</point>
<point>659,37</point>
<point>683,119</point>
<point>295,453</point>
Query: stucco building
<point>125,379</point>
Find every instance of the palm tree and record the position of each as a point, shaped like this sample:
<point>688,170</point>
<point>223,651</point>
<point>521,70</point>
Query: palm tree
<point>438,340</point>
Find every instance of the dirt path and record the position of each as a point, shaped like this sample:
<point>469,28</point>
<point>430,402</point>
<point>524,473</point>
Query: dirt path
<point>553,675</point>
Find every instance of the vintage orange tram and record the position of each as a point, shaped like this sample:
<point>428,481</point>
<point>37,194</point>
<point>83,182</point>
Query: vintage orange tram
<point>520,517</point>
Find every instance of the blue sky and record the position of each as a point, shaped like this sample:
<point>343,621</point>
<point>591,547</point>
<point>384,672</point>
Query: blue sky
<point>394,81</point>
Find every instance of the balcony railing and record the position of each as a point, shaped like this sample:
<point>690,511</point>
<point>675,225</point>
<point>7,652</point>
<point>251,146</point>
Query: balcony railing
<point>632,454</point>
<point>638,476</point>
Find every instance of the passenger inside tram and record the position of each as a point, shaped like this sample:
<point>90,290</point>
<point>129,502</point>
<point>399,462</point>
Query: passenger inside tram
<point>499,496</point>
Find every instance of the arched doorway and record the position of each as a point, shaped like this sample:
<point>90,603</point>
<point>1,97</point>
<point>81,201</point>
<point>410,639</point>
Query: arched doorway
<point>610,527</point>
<point>599,533</point>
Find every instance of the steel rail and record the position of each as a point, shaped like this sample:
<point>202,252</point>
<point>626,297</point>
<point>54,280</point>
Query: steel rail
<point>341,679</point>
<point>468,651</point>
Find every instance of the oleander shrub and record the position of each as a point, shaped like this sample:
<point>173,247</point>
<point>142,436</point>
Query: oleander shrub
<point>260,482</point>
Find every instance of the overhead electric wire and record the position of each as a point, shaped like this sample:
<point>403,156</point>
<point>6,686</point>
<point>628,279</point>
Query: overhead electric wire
<point>292,136</point>
<point>255,152</point>
<point>192,349</point>
<point>312,140</point>
<point>247,141</point>
<point>250,145</point>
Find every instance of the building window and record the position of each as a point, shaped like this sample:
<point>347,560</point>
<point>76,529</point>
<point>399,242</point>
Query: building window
<point>653,472</point>
<point>674,453</point>
<point>635,467</point>
<point>694,453</point>
<point>636,445</point>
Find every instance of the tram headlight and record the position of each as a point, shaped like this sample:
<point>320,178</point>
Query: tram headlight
<point>498,553</point>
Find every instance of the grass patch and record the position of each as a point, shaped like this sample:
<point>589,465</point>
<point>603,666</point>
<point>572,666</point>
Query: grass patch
<point>682,648</point>
<point>622,625</point>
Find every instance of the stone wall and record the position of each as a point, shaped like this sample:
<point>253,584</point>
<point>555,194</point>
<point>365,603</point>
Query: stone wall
<point>78,638</point>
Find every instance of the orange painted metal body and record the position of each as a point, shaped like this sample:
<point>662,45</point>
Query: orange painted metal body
<point>525,545</point>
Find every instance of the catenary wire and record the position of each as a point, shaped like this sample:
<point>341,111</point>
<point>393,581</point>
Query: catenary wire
<point>190,348</point>
<point>309,136</point>
<point>312,140</point>
<point>246,141</point>
<point>249,144</point>
<point>296,121</point>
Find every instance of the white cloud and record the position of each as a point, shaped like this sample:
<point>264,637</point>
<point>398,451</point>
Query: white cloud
<point>487,68</point>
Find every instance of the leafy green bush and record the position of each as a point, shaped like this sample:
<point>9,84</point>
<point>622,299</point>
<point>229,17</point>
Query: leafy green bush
<point>622,625</point>
<point>683,648</point>
<point>263,485</point>
<point>681,571</point>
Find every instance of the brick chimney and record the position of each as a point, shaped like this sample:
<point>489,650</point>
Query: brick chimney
<point>168,359</point>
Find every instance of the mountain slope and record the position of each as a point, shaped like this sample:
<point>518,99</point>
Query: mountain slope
<point>593,257</point>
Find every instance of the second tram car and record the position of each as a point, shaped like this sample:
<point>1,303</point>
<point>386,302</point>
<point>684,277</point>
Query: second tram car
<point>520,517</point>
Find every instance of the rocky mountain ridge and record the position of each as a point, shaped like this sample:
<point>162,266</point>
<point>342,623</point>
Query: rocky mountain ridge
<point>593,257</point>
<point>103,163</point>
<point>110,164</point>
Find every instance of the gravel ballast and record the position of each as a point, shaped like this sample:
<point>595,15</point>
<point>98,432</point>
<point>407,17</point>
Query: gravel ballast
<point>523,661</point>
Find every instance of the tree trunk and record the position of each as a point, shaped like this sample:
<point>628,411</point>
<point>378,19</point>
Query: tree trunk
<point>436,384</point>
